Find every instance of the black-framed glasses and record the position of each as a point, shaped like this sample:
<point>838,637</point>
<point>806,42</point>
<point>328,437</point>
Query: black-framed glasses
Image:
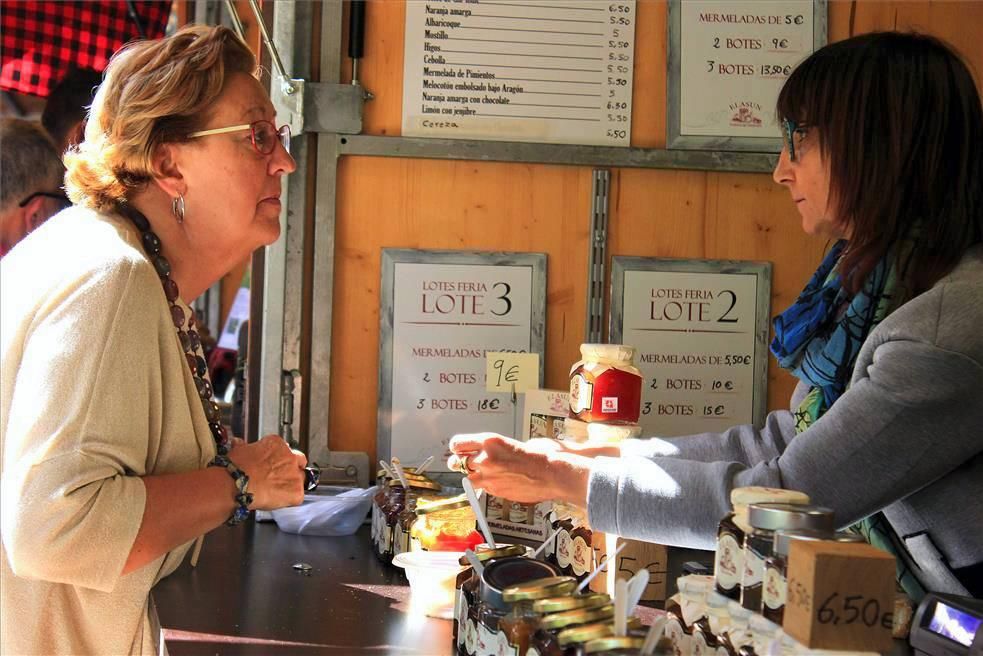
<point>793,134</point>
<point>263,134</point>
<point>62,199</point>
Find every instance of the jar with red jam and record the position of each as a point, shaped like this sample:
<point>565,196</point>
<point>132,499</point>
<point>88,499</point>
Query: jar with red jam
<point>446,524</point>
<point>605,385</point>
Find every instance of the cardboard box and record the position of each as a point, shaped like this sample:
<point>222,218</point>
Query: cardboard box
<point>635,556</point>
<point>840,596</point>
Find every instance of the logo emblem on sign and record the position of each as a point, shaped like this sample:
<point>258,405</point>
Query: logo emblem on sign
<point>609,404</point>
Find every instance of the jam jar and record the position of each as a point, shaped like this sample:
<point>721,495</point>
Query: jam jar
<point>764,519</point>
<point>523,618</point>
<point>466,586</point>
<point>498,575</point>
<point>685,610</point>
<point>404,524</point>
<point>605,385</point>
<point>446,524</point>
<point>775,581</point>
<point>544,641</point>
<point>728,564</point>
<point>394,507</point>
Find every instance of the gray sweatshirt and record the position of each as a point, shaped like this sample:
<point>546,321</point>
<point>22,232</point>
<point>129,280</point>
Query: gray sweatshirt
<point>906,438</point>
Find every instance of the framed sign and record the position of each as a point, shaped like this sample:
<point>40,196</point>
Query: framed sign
<point>441,312</point>
<point>533,71</point>
<point>728,59</point>
<point>700,328</point>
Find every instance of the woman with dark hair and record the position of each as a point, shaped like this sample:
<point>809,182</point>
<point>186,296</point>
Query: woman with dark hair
<point>883,135</point>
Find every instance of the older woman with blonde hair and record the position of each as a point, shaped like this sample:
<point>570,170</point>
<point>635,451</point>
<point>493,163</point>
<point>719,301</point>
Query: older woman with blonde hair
<point>113,455</point>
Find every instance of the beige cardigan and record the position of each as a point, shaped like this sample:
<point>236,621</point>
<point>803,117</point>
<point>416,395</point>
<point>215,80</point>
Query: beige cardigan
<point>95,392</point>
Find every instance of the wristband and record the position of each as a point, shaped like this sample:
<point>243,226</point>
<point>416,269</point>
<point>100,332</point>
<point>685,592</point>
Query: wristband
<point>243,496</point>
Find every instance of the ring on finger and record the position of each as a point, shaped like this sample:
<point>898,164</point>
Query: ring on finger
<point>463,465</point>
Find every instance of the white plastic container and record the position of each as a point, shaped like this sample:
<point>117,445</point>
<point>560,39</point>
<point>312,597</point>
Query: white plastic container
<point>432,576</point>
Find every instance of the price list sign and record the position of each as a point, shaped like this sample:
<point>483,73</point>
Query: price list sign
<point>700,329</point>
<point>728,61</point>
<point>442,313</point>
<point>547,72</point>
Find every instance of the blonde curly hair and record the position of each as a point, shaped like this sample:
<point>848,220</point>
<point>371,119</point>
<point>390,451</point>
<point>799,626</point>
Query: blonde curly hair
<point>153,92</point>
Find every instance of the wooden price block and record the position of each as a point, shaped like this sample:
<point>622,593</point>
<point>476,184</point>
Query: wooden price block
<point>840,596</point>
<point>634,557</point>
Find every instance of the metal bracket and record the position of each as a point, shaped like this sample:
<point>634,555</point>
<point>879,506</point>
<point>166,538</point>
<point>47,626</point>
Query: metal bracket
<point>597,253</point>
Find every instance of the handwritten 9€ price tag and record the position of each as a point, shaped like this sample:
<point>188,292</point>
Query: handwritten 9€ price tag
<point>505,370</point>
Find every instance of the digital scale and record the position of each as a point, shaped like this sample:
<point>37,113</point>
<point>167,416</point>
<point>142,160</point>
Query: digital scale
<point>947,625</point>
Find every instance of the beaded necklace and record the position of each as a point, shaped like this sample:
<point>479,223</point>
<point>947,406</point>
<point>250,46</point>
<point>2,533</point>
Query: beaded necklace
<point>190,340</point>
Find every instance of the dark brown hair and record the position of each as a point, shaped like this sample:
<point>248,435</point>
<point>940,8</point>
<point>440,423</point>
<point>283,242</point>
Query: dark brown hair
<point>900,125</point>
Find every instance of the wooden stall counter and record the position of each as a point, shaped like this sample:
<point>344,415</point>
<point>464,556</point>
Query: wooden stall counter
<point>245,597</point>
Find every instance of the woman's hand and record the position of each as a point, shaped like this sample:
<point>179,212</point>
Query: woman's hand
<point>276,472</point>
<point>524,472</point>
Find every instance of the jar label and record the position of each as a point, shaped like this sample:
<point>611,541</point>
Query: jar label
<point>471,637</point>
<point>485,641</point>
<point>700,646</point>
<point>677,636</point>
<point>582,556</point>
<point>500,646</point>
<point>387,539</point>
<point>775,588</point>
<point>461,609</point>
<point>402,542</point>
<point>564,549</point>
<point>581,393</point>
<point>728,563</point>
<point>754,567</point>
<point>549,549</point>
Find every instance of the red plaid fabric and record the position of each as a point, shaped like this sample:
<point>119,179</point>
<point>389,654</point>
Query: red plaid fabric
<point>40,41</point>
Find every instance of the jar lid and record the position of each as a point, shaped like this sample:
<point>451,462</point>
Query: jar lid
<point>410,472</point>
<point>450,503</point>
<point>578,616</point>
<point>504,573</point>
<point>608,352</point>
<point>539,588</point>
<point>581,634</point>
<point>778,516</point>
<point>784,539</point>
<point>499,552</point>
<point>613,642</point>
<point>745,496</point>
<point>424,484</point>
<point>571,602</point>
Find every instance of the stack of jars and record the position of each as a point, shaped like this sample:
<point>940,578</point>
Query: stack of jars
<point>605,401</point>
<point>702,622</point>
<point>521,606</point>
<point>392,505</point>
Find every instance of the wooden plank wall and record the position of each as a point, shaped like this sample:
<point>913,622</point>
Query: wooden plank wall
<point>389,202</point>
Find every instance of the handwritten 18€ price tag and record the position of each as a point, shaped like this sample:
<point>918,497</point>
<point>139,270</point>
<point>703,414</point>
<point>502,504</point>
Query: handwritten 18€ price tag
<point>508,372</point>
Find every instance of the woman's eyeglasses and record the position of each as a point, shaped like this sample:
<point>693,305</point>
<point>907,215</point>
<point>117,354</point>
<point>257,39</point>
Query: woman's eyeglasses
<point>263,134</point>
<point>793,135</point>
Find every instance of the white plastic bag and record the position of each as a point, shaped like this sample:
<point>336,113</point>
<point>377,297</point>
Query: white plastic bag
<point>327,515</point>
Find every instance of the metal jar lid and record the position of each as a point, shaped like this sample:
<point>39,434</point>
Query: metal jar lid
<point>580,634</point>
<point>571,602</point>
<point>789,517</point>
<point>784,539</point>
<point>613,642</point>
<point>539,589</point>
<point>576,617</point>
<point>504,573</point>
<point>439,505</point>
<point>500,552</point>
<point>415,484</point>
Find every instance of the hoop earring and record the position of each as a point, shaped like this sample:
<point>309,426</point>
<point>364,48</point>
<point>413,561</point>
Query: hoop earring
<point>177,208</point>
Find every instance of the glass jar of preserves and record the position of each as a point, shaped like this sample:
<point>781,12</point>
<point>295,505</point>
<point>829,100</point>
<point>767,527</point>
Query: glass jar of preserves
<point>466,587</point>
<point>684,610</point>
<point>764,519</point>
<point>774,590</point>
<point>718,620</point>
<point>404,524</point>
<point>523,618</point>
<point>393,507</point>
<point>728,564</point>
<point>498,575</point>
<point>605,385</point>
<point>446,525</point>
